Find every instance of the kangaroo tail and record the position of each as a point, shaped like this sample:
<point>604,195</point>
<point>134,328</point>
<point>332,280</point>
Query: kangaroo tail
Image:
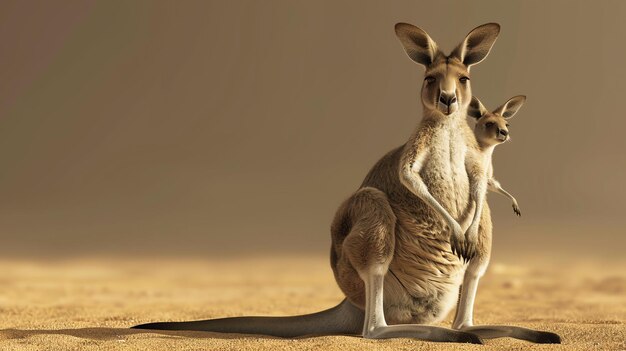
<point>343,319</point>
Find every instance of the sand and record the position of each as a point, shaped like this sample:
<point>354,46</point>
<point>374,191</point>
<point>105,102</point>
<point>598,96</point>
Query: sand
<point>88,304</point>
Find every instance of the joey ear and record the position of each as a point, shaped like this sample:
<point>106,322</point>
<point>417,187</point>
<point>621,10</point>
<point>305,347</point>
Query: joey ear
<point>417,44</point>
<point>510,108</point>
<point>476,108</point>
<point>477,44</point>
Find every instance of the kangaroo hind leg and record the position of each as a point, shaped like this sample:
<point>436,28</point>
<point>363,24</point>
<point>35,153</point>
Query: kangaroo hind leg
<point>464,314</point>
<point>369,247</point>
<point>463,320</point>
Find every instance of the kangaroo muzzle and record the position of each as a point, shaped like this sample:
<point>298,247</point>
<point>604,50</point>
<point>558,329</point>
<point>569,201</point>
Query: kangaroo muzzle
<point>447,103</point>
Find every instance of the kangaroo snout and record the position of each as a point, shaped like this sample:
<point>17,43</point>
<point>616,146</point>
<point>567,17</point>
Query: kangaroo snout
<point>447,99</point>
<point>447,102</point>
<point>502,134</point>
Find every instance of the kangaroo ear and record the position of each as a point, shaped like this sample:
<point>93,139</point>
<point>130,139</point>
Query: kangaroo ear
<point>477,44</point>
<point>510,108</point>
<point>417,44</point>
<point>476,108</point>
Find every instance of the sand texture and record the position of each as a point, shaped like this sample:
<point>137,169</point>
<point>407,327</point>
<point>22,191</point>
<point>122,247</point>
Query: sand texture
<point>89,304</point>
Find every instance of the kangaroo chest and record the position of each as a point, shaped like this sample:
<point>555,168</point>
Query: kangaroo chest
<point>444,171</point>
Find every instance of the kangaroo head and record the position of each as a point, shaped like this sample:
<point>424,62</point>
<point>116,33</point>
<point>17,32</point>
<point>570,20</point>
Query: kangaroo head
<point>446,88</point>
<point>492,128</point>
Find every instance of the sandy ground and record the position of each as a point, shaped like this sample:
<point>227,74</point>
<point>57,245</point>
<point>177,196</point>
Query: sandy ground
<point>89,304</point>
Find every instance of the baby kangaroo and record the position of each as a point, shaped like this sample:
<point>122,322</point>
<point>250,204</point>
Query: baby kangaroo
<point>492,129</point>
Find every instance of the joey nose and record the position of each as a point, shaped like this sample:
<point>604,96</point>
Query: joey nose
<point>447,99</point>
<point>503,132</point>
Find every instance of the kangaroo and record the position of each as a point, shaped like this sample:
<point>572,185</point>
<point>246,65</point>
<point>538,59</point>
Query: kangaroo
<point>491,129</point>
<point>400,243</point>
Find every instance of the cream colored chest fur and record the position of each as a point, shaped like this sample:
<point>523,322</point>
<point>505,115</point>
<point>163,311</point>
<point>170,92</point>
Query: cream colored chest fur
<point>426,275</point>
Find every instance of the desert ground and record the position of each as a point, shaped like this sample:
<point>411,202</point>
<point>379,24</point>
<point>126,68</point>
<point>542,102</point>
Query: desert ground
<point>88,304</point>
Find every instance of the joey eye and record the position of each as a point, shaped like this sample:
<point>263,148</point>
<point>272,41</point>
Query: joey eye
<point>489,124</point>
<point>464,79</point>
<point>429,79</point>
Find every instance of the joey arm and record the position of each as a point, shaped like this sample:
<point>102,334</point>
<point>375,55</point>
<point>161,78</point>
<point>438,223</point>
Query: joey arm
<point>495,187</point>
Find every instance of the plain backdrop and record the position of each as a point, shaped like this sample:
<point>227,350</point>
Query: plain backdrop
<point>206,128</point>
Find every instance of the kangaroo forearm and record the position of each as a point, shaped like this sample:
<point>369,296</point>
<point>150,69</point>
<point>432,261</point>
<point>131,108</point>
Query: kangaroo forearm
<point>416,185</point>
<point>498,189</point>
<point>409,174</point>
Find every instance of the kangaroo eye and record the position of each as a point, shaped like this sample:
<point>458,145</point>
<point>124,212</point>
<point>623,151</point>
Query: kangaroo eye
<point>464,79</point>
<point>429,79</point>
<point>489,124</point>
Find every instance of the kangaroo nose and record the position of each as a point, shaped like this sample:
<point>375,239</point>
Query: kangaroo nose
<point>447,99</point>
<point>503,132</point>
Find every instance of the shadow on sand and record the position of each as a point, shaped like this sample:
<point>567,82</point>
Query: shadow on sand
<point>120,333</point>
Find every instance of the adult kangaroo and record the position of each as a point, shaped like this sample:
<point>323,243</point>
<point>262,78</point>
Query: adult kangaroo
<point>400,243</point>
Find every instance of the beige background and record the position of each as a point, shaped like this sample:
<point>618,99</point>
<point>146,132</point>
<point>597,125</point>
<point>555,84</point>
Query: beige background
<point>223,127</point>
